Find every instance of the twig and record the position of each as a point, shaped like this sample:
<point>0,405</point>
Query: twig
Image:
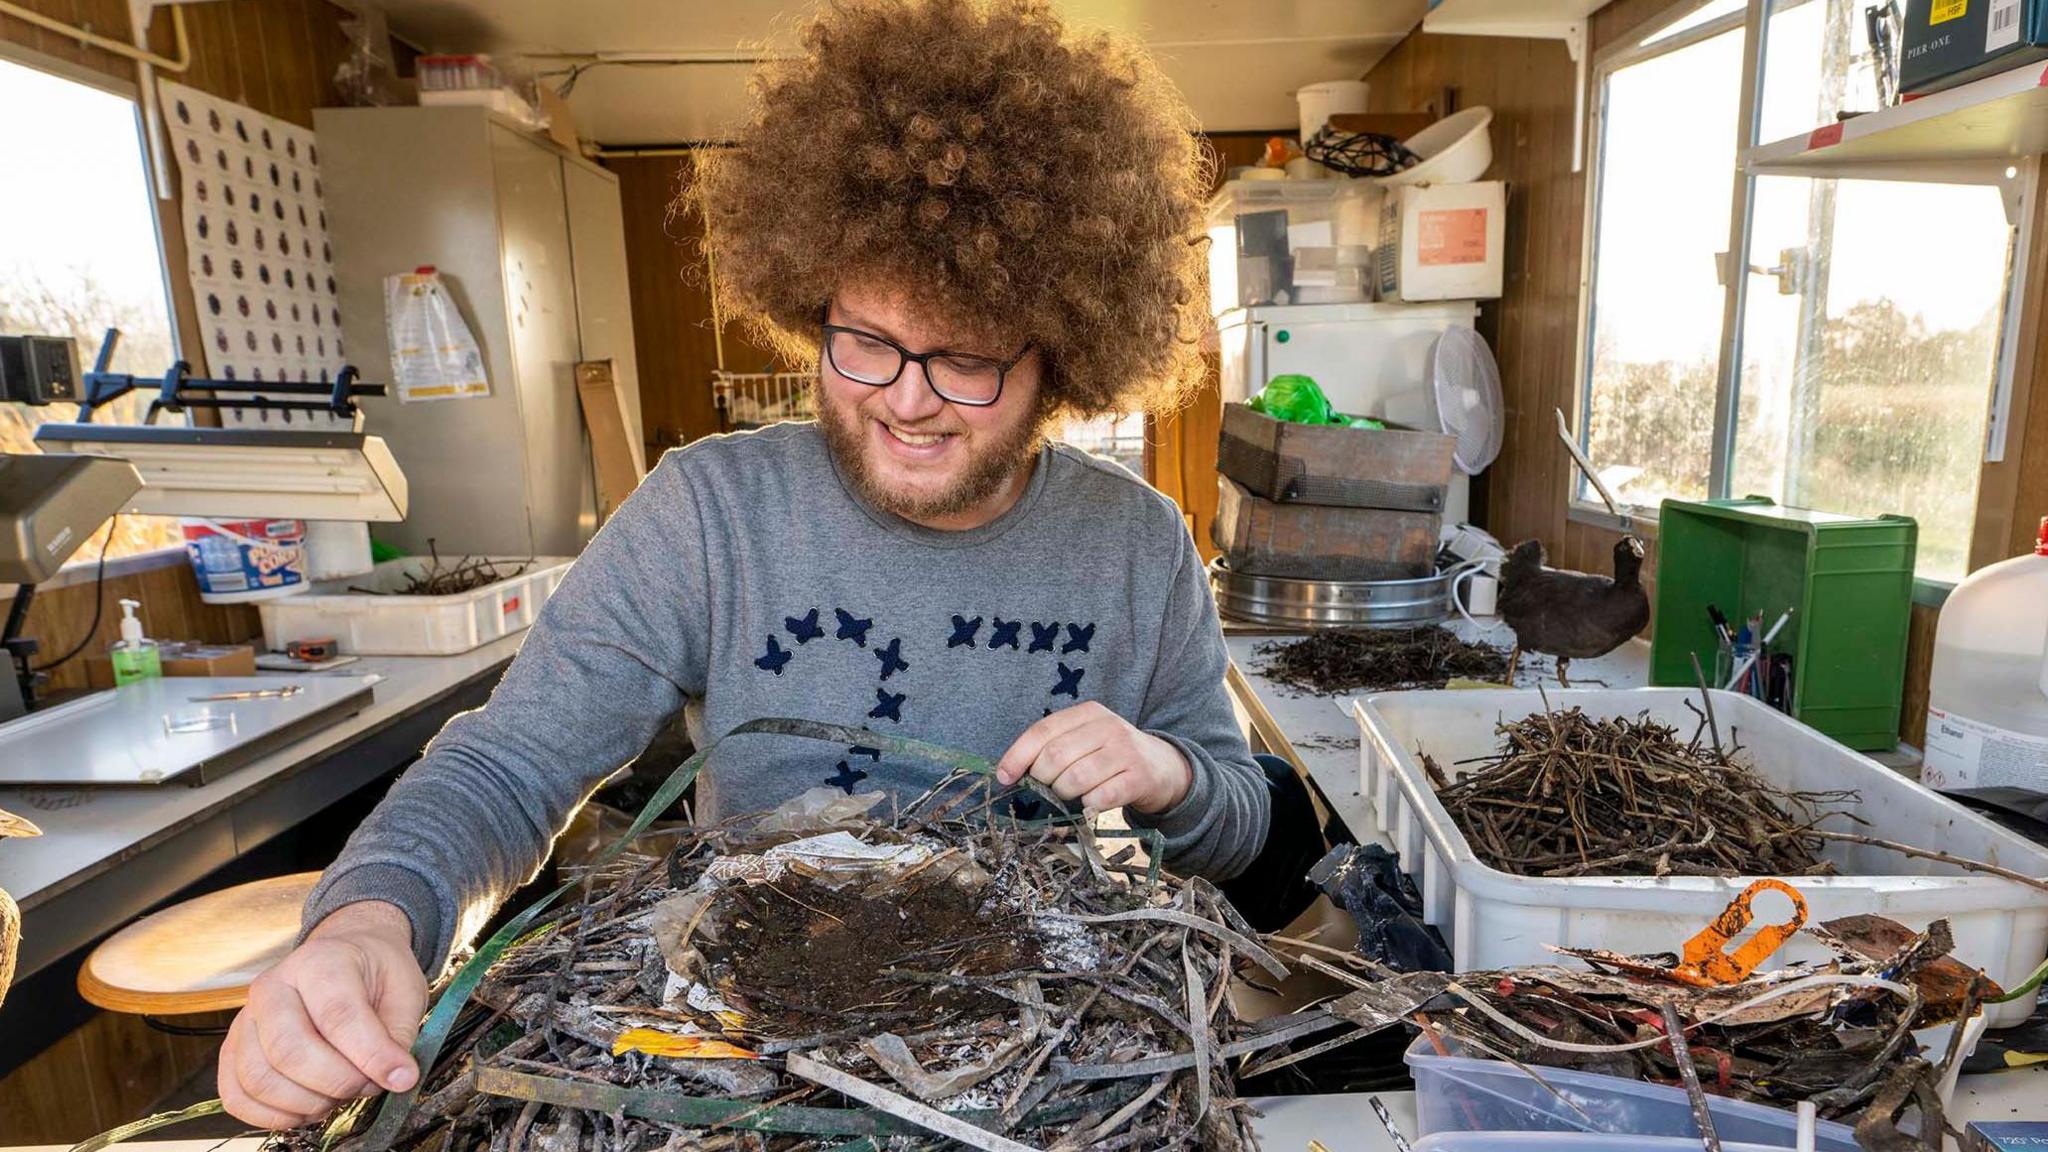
<point>1931,854</point>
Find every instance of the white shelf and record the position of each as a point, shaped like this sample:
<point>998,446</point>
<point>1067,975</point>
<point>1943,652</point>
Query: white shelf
<point>1532,19</point>
<point>1998,118</point>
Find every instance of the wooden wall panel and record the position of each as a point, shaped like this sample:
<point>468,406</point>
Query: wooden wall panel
<point>672,328</point>
<point>112,1070</point>
<point>1182,457</point>
<point>1533,328</point>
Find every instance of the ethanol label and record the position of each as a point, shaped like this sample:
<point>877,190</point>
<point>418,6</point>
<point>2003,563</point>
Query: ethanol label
<point>1965,753</point>
<point>2002,25</point>
<point>1942,11</point>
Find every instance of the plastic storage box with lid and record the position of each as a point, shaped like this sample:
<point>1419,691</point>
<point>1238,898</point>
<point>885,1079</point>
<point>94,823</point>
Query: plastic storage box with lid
<point>1255,226</point>
<point>1987,697</point>
<point>369,624</point>
<point>1494,919</point>
<point>1850,579</point>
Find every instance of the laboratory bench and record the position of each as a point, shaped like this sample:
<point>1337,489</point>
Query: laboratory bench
<point>1318,734</point>
<point>107,855</point>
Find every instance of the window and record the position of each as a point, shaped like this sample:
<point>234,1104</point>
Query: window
<point>1865,388</point>
<point>1120,438</point>
<point>1660,215</point>
<point>1849,361</point>
<point>79,253</point>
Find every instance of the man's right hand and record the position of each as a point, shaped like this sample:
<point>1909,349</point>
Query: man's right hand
<point>332,1021</point>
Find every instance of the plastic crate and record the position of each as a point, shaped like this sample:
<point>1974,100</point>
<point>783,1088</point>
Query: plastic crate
<point>1498,1107</point>
<point>371,625</point>
<point>1850,579</point>
<point>1494,919</point>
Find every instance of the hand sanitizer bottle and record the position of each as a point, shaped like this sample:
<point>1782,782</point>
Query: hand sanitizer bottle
<point>135,656</point>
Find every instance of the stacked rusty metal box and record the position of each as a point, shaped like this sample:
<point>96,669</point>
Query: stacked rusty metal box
<point>1323,502</point>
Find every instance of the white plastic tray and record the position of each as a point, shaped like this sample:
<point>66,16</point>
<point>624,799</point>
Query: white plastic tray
<point>1493,919</point>
<point>368,625</point>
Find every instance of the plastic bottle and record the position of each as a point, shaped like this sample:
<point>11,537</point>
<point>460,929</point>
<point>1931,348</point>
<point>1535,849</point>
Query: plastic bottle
<point>1987,714</point>
<point>135,656</point>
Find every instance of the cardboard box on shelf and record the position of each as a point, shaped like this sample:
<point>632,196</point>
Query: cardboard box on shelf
<point>1443,241</point>
<point>1951,42</point>
<point>182,658</point>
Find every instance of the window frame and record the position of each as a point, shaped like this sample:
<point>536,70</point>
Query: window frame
<point>1581,504</point>
<point>2018,192</point>
<point>80,567</point>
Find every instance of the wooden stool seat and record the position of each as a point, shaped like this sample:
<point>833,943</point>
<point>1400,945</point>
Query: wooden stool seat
<point>198,956</point>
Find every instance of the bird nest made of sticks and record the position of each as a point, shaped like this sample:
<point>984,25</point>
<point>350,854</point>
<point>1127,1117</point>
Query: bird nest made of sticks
<point>932,980</point>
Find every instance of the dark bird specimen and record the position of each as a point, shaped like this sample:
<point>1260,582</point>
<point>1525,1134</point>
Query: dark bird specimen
<point>1572,615</point>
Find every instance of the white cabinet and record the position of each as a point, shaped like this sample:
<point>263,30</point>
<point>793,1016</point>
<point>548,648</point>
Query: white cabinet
<point>529,240</point>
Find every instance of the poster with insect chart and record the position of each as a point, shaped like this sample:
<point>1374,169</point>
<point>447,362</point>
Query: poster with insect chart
<point>261,267</point>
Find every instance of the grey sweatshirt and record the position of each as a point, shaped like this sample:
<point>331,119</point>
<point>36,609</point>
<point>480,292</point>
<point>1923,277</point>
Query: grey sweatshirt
<point>745,579</point>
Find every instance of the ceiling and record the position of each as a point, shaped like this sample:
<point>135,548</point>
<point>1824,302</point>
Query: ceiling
<point>1238,62</point>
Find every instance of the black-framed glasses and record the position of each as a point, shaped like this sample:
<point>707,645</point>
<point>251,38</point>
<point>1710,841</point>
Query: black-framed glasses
<point>957,377</point>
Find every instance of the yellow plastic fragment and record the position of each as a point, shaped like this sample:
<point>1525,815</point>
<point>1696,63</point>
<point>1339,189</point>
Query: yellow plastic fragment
<point>655,1042</point>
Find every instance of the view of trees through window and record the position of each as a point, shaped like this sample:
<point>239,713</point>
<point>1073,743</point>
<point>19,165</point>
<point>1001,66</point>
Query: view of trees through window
<point>1869,333</point>
<point>79,253</point>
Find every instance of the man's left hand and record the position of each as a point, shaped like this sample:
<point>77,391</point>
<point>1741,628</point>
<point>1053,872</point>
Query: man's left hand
<point>1090,754</point>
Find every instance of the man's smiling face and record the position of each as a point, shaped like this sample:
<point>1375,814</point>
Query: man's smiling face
<point>907,449</point>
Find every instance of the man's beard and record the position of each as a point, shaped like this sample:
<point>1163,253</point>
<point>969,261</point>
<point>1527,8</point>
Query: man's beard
<point>989,467</point>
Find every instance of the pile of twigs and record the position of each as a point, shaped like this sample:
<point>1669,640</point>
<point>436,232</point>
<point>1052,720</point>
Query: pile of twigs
<point>993,984</point>
<point>438,579</point>
<point>1571,795</point>
<point>1380,660</point>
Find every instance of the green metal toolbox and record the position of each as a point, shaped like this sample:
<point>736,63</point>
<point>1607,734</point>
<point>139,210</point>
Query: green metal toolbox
<point>1849,578</point>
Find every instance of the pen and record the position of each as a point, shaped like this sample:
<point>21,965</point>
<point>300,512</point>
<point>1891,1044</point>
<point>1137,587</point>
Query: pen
<point>251,694</point>
<point>1743,668</point>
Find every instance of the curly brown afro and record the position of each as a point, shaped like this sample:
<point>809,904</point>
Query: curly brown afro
<point>1025,184</point>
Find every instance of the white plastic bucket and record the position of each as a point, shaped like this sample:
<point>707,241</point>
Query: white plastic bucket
<point>337,548</point>
<point>1318,102</point>
<point>237,561</point>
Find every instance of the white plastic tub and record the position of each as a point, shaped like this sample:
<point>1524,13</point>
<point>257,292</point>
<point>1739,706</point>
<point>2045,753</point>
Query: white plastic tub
<point>371,625</point>
<point>1494,920</point>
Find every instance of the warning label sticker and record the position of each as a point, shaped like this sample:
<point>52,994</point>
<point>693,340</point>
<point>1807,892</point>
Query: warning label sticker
<point>1450,236</point>
<point>1965,753</point>
<point>1942,11</point>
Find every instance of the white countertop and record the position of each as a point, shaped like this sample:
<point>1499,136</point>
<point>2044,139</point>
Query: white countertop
<point>1323,734</point>
<point>87,831</point>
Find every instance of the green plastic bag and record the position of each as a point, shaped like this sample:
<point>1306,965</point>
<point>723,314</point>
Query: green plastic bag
<point>1296,399</point>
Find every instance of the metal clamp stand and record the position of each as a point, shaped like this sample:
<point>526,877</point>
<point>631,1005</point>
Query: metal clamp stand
<point>175,391</point>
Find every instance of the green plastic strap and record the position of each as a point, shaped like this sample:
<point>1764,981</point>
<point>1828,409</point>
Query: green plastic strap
<point>148,1124</point>
<point>669,1106</point>
<point>440,1021</point>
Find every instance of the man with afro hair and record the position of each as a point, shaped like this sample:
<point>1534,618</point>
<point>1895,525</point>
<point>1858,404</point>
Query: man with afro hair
<point>975,223</point>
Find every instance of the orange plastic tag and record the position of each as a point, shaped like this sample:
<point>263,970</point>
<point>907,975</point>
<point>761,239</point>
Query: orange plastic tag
<point>1705,963</point>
